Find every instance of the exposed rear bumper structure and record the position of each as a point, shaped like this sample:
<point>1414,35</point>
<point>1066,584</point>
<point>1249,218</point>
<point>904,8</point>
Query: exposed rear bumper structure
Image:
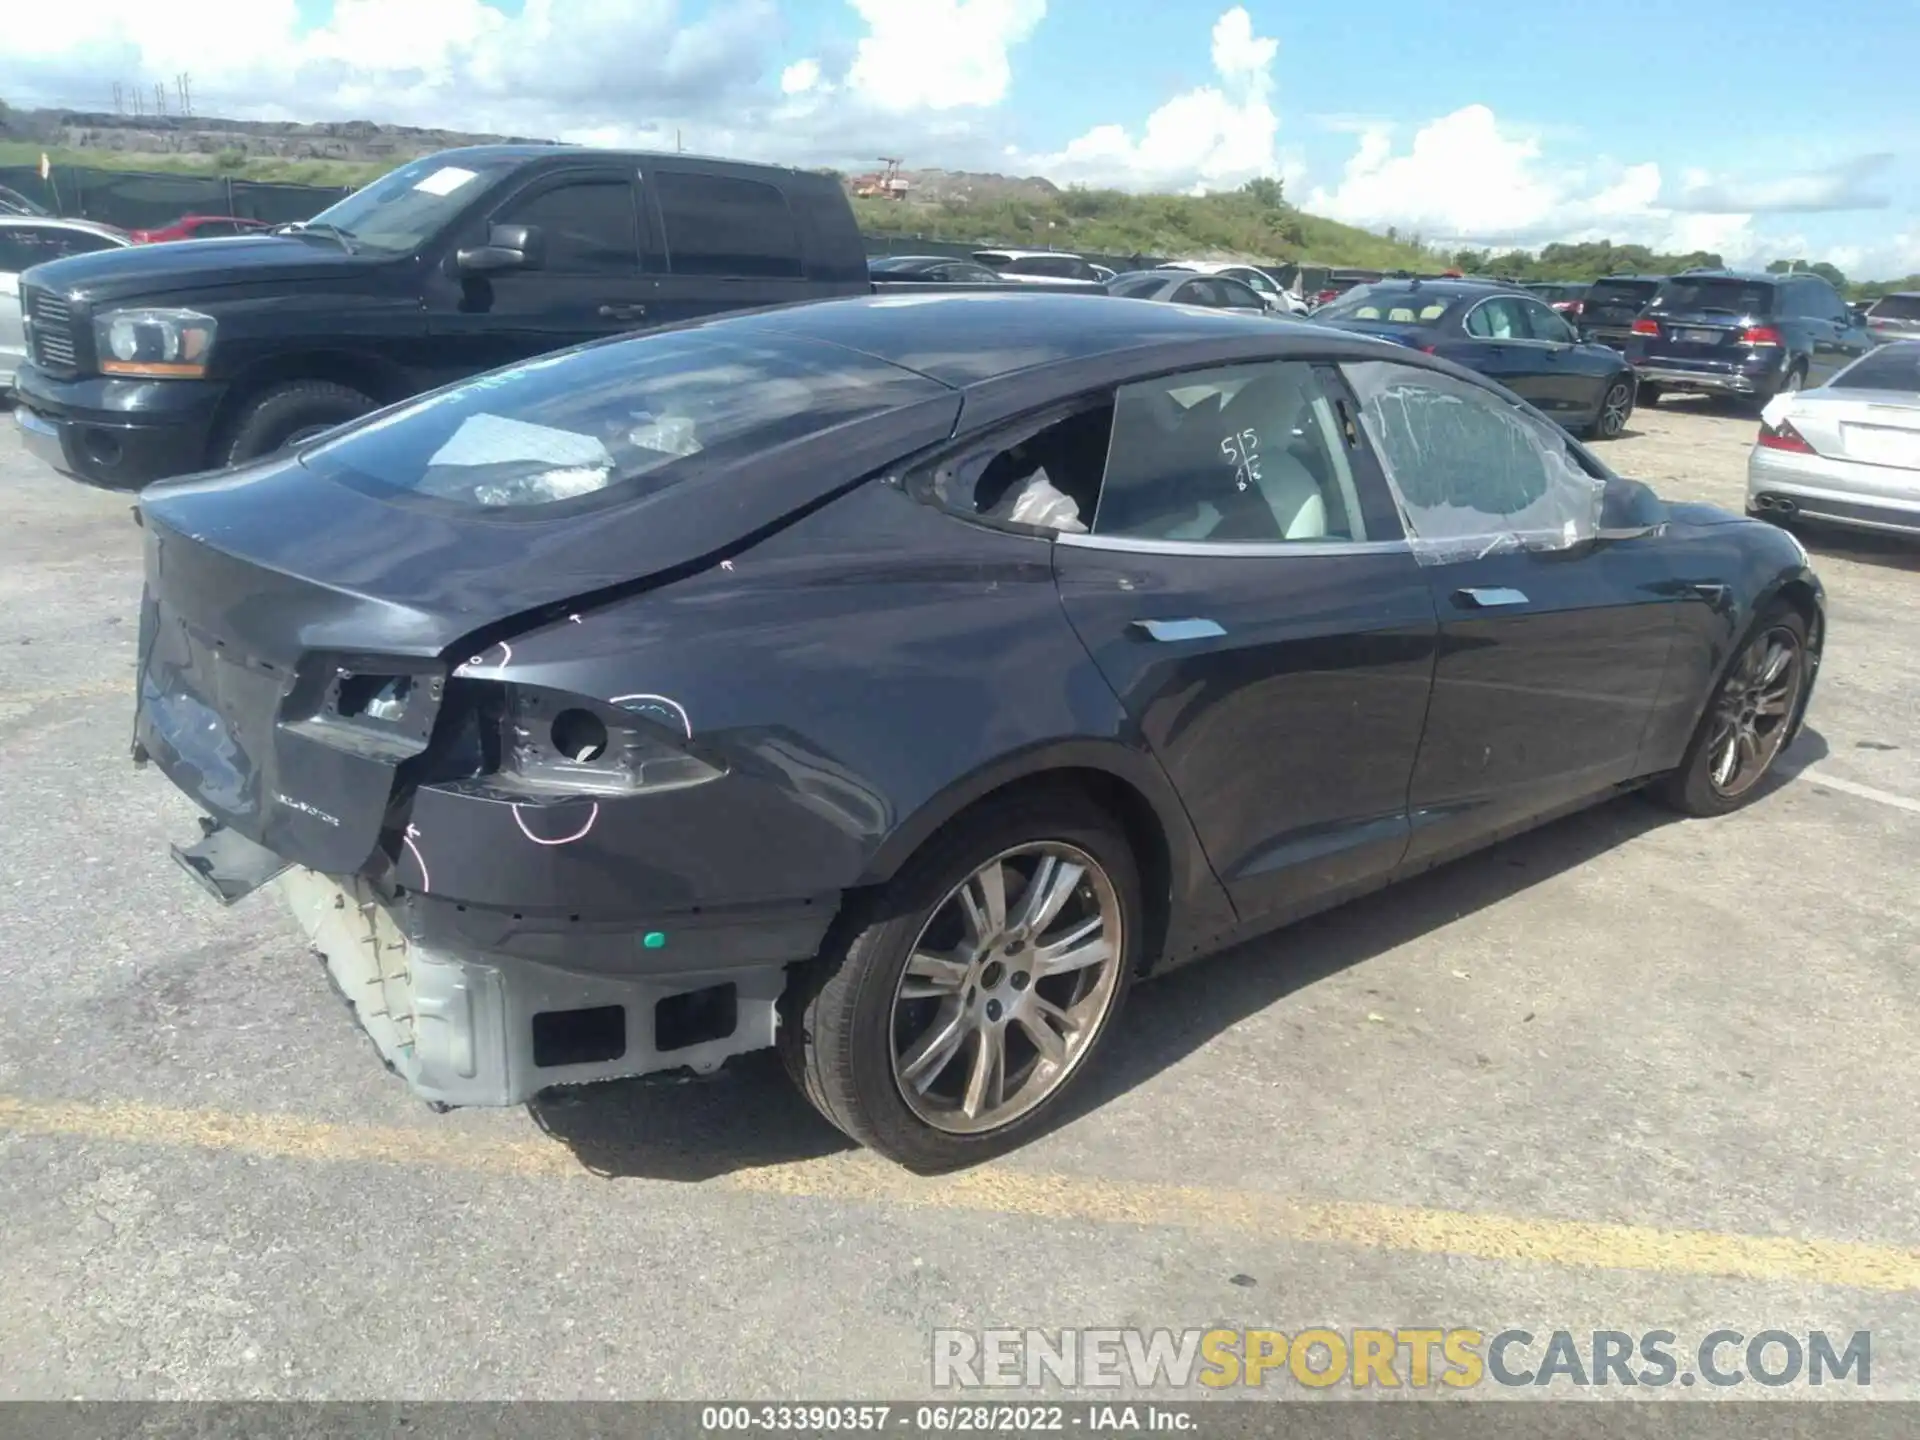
<point>1718,382</point>
<point>478,1029</point>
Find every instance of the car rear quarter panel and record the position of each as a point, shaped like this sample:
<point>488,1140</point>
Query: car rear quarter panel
<point>864,675</point>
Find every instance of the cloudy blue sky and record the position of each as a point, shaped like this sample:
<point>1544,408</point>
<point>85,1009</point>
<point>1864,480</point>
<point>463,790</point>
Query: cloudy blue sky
<point>1759,129</point>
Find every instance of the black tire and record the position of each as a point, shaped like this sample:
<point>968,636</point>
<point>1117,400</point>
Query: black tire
<point>837,1020</point>
<point>286,414</point>
<point>1648,395</point>
<point>1691,789</point>
<point>1616,408</point>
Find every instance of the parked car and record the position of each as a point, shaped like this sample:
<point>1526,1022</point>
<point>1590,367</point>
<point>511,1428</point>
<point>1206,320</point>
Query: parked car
<point>1612,304</point>
<point>1215,292</point>
<point>167,359</point>
<point>1753,336</point>
<point>27,240</point>
<point>198,227</point>
<point>942,268</point>
<point>534,692</point>
<point>1038,265</point>
<point>1103,273</point>
<point>12,202</point>
<point>1846,452</point>
<point>1314,285</point>
<point>1893,317</point>
<point>1565,296</point>
<point>1505,334</point>
<point>1251,276</point>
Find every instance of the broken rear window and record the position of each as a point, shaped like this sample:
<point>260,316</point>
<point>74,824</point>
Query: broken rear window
<point>614,420</point>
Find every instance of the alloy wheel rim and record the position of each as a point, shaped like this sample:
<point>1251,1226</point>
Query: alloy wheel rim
<point>1753,711</point>
<point>1614,418</point>
<point>1006,988</point>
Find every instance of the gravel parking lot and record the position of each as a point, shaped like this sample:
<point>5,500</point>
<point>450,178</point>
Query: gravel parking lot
<point>1625,1073</point>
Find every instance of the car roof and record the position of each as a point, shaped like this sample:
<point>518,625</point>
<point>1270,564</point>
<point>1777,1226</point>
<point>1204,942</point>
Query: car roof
<point>962,339</point>
<point>1453,289</point>
<point>1028,254</point>
<point>532,150</point>
<point>1896,295</point>
<point>1745,277</point>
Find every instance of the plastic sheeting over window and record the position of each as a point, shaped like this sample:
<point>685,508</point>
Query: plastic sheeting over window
<point>1472,474</point>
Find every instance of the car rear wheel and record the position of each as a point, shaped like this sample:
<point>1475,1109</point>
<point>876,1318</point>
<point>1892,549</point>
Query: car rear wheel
<point>288,415</point>
<point>1748,721</point>
<point>1615,408</point>
<point>947,1017</point>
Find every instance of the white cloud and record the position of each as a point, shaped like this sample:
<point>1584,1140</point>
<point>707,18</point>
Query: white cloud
<point>1214,137</point>
<point>1846,186</point>
<point>939,54</point>
<point>800,77</point>
<point>1466,179</point>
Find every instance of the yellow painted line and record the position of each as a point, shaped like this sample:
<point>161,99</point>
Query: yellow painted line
<point>1002,1190</point>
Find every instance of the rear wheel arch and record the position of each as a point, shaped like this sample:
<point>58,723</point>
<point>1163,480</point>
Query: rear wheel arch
<point>1124,785</point>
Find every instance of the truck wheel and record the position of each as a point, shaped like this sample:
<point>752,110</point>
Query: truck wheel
<point>945,1018</point>
<point>285,415</point>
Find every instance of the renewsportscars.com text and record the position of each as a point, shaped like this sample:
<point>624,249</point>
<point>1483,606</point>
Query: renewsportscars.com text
<point>1400,1358</point>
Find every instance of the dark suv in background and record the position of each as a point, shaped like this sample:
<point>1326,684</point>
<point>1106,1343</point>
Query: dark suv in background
<point>1611,305</point>
<point>1728,332</point>
<point>1894,317</point>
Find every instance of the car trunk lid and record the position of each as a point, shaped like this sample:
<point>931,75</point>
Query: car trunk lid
<point>297,628</point>
<point>1868,427</point>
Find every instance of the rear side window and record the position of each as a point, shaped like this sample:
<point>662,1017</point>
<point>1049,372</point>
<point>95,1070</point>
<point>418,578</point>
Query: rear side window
<point>1387,305</point>
<point>1714,295</point>
<point>1472,474</point>
<point>1625,295</point>
<point>1136,286</point>
<point>626,419</point>
<point>720,225</point>
<point>1895,307</point>
<point>1891,367</point>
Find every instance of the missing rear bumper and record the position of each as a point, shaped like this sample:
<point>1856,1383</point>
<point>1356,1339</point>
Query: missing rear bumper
<point>491,1030</point>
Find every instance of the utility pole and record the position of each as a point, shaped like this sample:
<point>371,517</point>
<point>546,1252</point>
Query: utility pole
<point>159,98</point>
<point>138,110</point>
<point>185,83</point>
<point>676,139</point>
<point>119,98</point>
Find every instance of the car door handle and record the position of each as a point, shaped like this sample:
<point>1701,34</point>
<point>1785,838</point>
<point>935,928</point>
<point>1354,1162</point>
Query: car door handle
<point>1196,628</point>
<point>1489,597</point>
<point>622,312</point>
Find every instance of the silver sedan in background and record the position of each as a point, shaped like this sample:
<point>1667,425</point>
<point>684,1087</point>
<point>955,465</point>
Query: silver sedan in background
<point>1847,453</point>
<point>27,240</point>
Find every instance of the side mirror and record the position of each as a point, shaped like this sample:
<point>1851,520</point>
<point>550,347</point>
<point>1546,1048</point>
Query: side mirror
<point>508,247</point>
<point>1629,509</point>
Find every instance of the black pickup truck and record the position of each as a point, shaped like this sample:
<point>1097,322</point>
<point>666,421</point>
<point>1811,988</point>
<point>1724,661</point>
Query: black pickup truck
<point>163,360</point>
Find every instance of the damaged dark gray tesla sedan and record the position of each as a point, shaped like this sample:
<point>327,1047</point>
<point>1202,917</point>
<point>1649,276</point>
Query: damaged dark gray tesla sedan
<point>896,680</point>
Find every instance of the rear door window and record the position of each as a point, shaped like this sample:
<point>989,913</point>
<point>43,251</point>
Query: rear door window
<point>628,419</point>
<point>1891,367</point>
<point>1717,295</point>
<point>722,225</point>
<point>1501,318</point>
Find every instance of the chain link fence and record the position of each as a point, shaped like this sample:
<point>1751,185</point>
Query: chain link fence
<point>146,200</point>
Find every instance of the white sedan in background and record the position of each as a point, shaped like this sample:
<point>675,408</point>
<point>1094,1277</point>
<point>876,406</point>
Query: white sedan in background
<point>1271,294</point>
<point>1847,453</point>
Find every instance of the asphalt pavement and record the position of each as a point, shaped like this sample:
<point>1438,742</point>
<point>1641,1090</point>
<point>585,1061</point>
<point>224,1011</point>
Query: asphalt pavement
<point>1625,1073</point>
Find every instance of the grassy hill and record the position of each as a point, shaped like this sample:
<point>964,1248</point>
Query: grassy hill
<point>232,165</point>
<point>1252,223</point>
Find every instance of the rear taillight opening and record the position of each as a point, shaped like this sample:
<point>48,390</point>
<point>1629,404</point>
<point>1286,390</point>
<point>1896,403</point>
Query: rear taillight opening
<point>1784,437</point>
<point>1760,335</point>
<point>1646,327</point>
